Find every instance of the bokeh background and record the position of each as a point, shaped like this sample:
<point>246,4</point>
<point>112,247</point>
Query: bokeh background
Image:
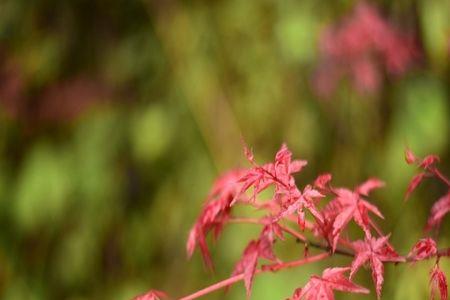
<point>116,116</point>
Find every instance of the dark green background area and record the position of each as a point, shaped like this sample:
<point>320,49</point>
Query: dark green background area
<point>116,116</point>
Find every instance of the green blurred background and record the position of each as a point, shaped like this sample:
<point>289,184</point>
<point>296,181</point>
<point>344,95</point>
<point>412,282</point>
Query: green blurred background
<point>116,116</point>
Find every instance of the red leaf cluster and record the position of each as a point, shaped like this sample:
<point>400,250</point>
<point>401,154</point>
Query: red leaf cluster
<point>346,206</point>
<point>288,202</point>
<point>290,207</point>
<point>360,48</point>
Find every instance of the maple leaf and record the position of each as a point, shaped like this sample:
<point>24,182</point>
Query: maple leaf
<point>322,181</point>
<point>410,157</point>
<point>271,231</point>
<point>248,153</point>
<point>321,288</point>
<point>152,295</point>
<point>215,213</point>
<point>329,213</point>
<point>438,211</point>
<point>287,198</point>
<point>424,249</point>
<point>438,281</point>
<point>352,206</point>
<point>285,166</point>
<point>278,173</point>
<point>260,248</point>
<point>370,184</point>
<point>298,202</point>
<point>247,265</point>
<point>414,183</point>
<point>375,251</point>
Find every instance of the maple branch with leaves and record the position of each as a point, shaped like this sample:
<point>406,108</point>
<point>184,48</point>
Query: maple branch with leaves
<point>289,204</point>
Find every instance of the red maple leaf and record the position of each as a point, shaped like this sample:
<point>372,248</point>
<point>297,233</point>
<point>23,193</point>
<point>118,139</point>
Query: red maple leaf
<point>298,202</point>
<point>247,265</point>
<point>261,248</point>
<point>288,199</point>
<point>278,173</point>
<point>438,211</point>
<point>438,281</point>
<point>321,288</point>
<point>375,251</point>
<point>269,234</point>
<point>366,187</point>
<point>152,295</point>
<point>350,206</point>
<point>410,157</point>
<point>414,183</point>
<point>424,249</point>
<point>325,229</point>
<point>215,213</point>
<point>322,181</point>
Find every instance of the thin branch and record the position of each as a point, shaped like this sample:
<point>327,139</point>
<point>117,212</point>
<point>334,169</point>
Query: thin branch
<point>439,175</point>
<point>295,234</point>
<point>443,252</point>
<point>237,278</point>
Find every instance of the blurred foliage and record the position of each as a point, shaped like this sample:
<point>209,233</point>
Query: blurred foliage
<point>116,116</point>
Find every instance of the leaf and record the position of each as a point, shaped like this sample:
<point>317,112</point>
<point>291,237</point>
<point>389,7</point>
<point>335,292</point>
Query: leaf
<point>287,198</point>
<point>438,281</point>
<point>322,181</point>
<point>424,249</point>
<point>321,288</point>
<point>215,213</point>
<point>377,274</point>
<point>413,184</point>
<point>438,211</point>
<point>261,248</point>
<point>298,202</point>
<point>269,234</point>
<point>372,183</point>
<point>248,153</point>
<point>375,251</point>
<point>340,222</point>
<point>410,157</point>
<point>352,206</point>
<point>247,265</point>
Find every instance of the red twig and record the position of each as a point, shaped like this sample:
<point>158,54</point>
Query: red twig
<point>237,278</point>
<point>439,175</point>
<point>294,233</point>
